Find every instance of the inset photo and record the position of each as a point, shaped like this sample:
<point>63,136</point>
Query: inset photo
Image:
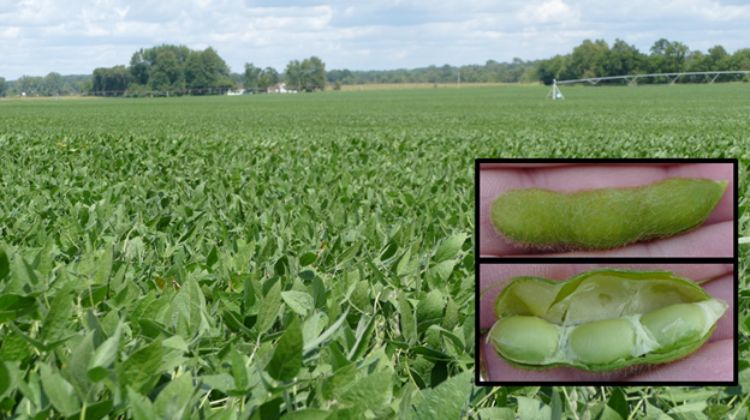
<point>608,324</point>
<point>618,208</point>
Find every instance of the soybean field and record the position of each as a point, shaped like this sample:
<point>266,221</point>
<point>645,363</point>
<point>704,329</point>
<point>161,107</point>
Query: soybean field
<point>301,256</point>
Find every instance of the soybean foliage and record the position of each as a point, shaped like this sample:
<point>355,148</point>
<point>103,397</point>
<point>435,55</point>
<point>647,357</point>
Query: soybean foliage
<point>307,256</point>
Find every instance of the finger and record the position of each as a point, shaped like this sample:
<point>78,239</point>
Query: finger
<point>710,241</point>
<point>723,288</point>
<point>712,362</point>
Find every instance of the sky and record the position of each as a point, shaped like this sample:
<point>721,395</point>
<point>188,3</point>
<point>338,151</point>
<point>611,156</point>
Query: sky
<point>76,36</point>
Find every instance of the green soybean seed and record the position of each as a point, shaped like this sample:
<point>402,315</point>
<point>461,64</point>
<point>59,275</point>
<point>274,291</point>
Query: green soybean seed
<point>526,338</point>
<point>602,320</point>
<point>604,218</point>
<point>603,341</point>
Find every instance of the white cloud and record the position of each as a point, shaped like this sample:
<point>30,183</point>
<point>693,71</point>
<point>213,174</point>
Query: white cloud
<point>549,11</point>
<point>75,36</point>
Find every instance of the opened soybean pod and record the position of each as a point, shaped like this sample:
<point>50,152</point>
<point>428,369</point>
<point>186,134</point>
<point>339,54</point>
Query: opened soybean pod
<point>602,320</point>
<point>604,218</point>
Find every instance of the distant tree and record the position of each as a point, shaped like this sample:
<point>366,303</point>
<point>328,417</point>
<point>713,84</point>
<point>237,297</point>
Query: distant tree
<point>314,71</point>
<point>139,67</point>
<point>668,57</point>
<point>206,70</point>
<point>111,81</point>
<point>719,59</point>
<point>252,75</point>
<point>307,75</point>
<point>741,59</point>
<point>623,59</point>
<point>293,75</point>
<point>53,85</point>
<point>166,74</point>
<point>3,87</point>
<point>551,69</point>
<point>589,59</point>
<point>268,77</point>
<point>30,85</point>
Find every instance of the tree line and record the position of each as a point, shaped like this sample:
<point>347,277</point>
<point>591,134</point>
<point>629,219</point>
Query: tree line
<point>176,69</point>
<point>598,59</point>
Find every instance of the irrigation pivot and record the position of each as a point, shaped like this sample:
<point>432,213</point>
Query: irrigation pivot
<point>555,93</point>
<point>632,79</point>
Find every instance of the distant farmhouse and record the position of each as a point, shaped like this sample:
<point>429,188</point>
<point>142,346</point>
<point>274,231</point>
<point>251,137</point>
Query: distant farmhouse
<point>237,92</point>
<point>279,88</point>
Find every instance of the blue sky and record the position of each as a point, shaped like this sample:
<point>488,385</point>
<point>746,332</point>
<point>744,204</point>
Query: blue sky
<point>75,36</point>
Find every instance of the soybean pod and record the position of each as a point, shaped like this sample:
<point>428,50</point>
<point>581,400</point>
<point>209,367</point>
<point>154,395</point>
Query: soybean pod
<point>602,320</point>
<point>604,218</point>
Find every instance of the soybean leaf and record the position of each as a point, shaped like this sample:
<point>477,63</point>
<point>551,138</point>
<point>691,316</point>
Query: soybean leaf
<point>287,357</point>
<point>104,356</point>
<point>307,414</point>
<point>212,257</point>
<point>618,402</point>
<point>222,382</point>
<point>57,322</point>
<point>532,409</point>
<point>299,302</point>
<point>496,413</point>
<point>188,309</point>
<point>59,391</point>
<point>326,335</point>
<point>448,400</point>
<point>307,259</point>
<point>442,270</point>
<point>5,379</point>
<point>173,399</point>
<point>14,306</point>
<point>370,392</point>
<point>402,268</point>
<point>142,368</point>
<point>430,309</point>
<point>269,308</point>
<point>78,366</point>
<point>239,372</point>
<point>141,407</point>
<point>450,247</point>
<point>23,272</point>
<point>104,266</point>
<point>408,320</point>
<point>4,264</point>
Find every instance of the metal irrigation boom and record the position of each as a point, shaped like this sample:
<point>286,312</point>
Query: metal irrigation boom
<point>633,78</point>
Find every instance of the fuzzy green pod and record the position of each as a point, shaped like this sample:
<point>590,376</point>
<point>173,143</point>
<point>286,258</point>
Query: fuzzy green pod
<point>602,320</point>
<point>604,218</point>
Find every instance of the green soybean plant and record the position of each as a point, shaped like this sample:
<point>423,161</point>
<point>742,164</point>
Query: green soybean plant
<point>604,218</point>
<point>602,320</point>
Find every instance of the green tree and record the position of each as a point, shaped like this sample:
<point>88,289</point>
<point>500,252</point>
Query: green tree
<point>30,85</point>
<point>293,75</point>
<point>314,71</point>
<point>623,59</point>
<point>551,69</point>
<point>589,59</point>
<point>3,87</point>
<point>668,57</point>
<point>251,79</point>
<point>166,73</point>
<point>53,85</point>
<point>206,70</point>
<point>718,58</point>
<point>268,77</point>
<point>111,81</point>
